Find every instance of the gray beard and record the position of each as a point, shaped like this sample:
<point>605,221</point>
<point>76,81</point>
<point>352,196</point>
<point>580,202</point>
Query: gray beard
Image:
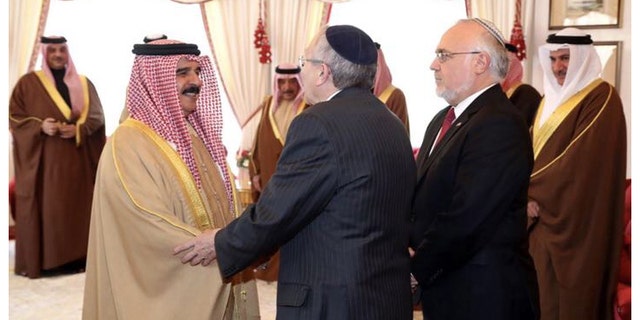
<point>450,95</point>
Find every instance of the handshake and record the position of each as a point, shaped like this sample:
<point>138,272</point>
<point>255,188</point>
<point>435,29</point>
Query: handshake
<point>199,250</point>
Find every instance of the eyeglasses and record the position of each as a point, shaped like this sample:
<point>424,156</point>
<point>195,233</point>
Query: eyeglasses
<point>302,60</point>
<point>444,56</point>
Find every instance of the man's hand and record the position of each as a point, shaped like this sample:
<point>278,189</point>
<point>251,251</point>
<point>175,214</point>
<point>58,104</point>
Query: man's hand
<point>49,127</point>
<point>67,130</point>
<point>533,209</point>
<point>255,181</point>
<point>199,250</point>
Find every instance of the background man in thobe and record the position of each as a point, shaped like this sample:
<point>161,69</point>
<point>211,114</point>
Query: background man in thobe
<point>57,123</point>
<point>578,182</point>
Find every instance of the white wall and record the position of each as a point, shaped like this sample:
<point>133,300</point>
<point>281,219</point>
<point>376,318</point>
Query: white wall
<point>408,35</point>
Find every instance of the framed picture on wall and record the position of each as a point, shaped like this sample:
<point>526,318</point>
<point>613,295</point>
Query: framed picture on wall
<point>586,14</point>
<point>610,53</point>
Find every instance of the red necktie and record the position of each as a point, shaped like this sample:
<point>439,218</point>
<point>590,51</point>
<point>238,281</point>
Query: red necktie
<point>448,120</point>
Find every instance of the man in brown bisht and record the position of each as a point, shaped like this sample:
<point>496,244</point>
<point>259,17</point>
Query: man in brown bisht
<point>389,94</point>
<point>576,193</point>
<point>162,180</point>
<point>56,120</point>
<point>278,110</point>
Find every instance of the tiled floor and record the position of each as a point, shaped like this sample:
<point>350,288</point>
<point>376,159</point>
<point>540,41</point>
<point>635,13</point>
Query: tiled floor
<point>60,297</point>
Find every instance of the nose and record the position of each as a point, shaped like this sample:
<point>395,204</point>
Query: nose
<point>194,78</point>
<point>435,65</point>
<point>290,86</point>
<point>557,64</point>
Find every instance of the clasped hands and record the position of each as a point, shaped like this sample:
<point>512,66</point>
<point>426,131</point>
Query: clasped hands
<point>199,250</point>
<point>51,127</point>
<point>533,209</point>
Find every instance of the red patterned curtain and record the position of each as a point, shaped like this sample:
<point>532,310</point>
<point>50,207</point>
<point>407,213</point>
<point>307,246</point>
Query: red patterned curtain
<point>517,36</point>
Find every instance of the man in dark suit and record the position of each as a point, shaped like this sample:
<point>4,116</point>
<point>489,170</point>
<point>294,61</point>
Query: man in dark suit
<point>339,203</point>
<point>469,209</point>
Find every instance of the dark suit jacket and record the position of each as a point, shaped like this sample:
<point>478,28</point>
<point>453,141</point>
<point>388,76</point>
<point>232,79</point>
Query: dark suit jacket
<point>470,215</point>
<point>338,206</point>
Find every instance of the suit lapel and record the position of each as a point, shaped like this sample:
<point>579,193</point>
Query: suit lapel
<point>429,138</point>
<point>426,159</point>
<point>429,158</point>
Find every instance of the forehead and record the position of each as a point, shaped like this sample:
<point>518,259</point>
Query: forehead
<point>187,63</point>
<point>308,52</point>
<point>287,79</point>
<point>56,46</point>
<point>560,52</point>
<point>457,35</point>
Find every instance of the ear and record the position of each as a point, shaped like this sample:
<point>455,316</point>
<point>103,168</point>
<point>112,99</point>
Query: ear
<point>323,75</point>
<point>482,62</point>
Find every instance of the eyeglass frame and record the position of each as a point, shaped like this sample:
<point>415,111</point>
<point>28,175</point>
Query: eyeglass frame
<point>444,56</point>
<point>302,60</point>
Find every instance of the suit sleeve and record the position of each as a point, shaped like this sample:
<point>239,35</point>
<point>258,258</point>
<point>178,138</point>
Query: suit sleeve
<point>305,180</point>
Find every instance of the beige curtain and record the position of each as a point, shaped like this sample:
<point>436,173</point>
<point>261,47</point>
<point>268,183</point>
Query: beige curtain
<point>293,23</point>
<point>26,24</point>
<point>230,26</point>
<point>502,13</point>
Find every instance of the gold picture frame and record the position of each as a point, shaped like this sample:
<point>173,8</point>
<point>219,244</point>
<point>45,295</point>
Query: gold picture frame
<point>610,53</point>
<point>584,14</point>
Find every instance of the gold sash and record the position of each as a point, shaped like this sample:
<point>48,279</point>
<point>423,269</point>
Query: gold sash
<point>62,105</point>
<point>384,96</point>
<point>542,134</point>
<point>272,120</point>
<point>188,183</point>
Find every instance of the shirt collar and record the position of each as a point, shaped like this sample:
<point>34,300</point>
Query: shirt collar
<point>333,95</point>
<point>464,104</point>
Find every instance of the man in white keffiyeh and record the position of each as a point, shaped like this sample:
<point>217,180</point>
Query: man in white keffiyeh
<point>577,187</point>
<point>162,180</point>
